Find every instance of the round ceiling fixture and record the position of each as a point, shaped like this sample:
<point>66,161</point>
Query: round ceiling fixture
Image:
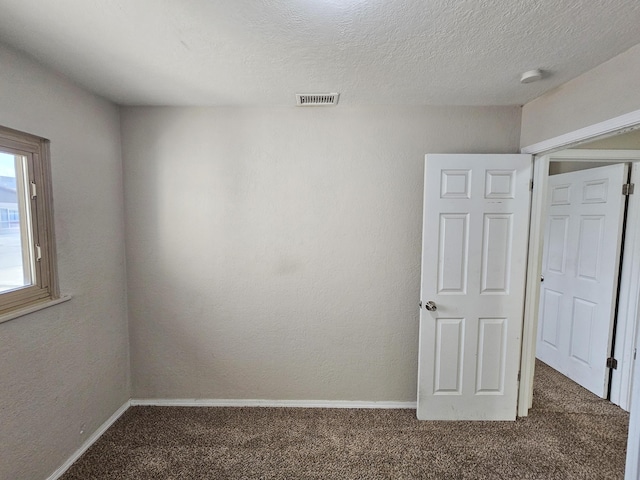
<point>531,76</point>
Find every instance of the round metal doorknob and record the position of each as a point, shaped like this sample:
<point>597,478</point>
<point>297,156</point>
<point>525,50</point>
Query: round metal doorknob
<point>431,306</point>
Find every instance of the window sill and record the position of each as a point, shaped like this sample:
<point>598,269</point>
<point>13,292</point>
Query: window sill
<point>33,308</point>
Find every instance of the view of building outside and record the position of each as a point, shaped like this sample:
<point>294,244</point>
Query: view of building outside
<point>12,272</point>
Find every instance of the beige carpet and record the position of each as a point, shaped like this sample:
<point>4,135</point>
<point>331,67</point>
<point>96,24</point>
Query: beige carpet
<point>570,434</point>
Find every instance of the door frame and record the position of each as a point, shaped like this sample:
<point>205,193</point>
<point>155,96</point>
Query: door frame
<point>623,346</point>
<point>541,151</point>
<point>626,325</point>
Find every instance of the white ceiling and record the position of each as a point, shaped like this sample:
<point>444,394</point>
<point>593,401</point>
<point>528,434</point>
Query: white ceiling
<point>243,52</point>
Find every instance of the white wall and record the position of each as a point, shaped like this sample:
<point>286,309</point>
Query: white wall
<point>275,253</point>
<point>626,141</point>
<point>605,92</point>
<point>65,368</point>
<point>556,168</point>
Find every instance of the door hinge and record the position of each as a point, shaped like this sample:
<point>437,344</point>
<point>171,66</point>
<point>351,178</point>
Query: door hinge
<point>612,363</point>
<point>38,253</point>
<point>519,374</point>
<point>635,350</point>
<point>34,192</point>
<point>628,188</point>
<point>531,185</point>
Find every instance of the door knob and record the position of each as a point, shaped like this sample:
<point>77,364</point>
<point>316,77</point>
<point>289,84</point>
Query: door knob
<point>431,306</point>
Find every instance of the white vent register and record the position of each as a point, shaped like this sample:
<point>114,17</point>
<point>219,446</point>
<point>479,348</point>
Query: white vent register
<point>316,99</point>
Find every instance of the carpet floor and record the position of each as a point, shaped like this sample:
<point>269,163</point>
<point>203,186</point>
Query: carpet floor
<point>569,434</point>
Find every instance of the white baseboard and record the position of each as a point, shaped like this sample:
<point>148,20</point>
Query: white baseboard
<point>194,402</point>
<point>90,441</point>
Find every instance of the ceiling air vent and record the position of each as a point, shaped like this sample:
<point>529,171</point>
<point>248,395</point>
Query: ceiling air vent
<point>317,99</point>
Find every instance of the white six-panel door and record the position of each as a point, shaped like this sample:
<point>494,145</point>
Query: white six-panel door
<point>580,268</point>
<point>476,218</point>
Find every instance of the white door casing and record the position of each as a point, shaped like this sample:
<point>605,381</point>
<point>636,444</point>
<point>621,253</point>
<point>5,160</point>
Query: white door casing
<point>628,317</point>
<point>581,258</point>
<point>475,231</point>
<point>628,321</point>
<point>631,291</point>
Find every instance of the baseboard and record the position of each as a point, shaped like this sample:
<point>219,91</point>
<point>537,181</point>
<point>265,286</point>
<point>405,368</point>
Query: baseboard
<point>191,402</point>
<point>90,441</point>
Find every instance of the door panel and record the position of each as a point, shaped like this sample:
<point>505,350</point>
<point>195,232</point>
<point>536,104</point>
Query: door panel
<point>581,328</point>
<point>491,361</point>
<point>454,245</point>
<point>551,302</point>
<point>580,267</point>
<point>475,232</point>
<point>449,355</point>
<point>558,231</point>
<point>496,253</point>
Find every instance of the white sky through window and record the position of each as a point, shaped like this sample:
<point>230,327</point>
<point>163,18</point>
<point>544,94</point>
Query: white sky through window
<point>7,165</point>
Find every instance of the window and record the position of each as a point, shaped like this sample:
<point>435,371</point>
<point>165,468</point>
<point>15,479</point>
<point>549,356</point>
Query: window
<point>27,253</point>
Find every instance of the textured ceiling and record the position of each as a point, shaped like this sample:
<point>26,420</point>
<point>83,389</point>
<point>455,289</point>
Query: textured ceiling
<point>242,52</point>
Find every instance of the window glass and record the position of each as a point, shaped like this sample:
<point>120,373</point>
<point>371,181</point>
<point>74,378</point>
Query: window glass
<point>16,252</point>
